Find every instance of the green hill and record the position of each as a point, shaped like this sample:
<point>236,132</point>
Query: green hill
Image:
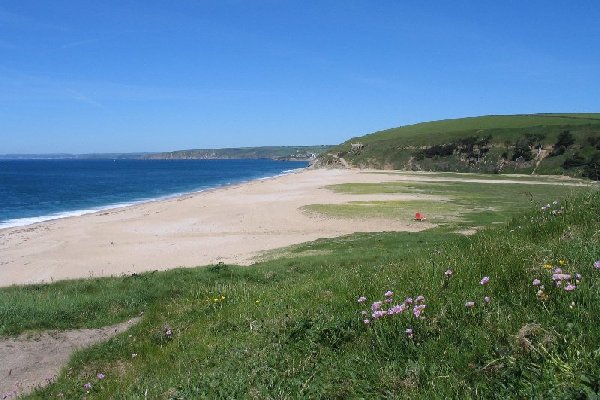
<point>495,143</point>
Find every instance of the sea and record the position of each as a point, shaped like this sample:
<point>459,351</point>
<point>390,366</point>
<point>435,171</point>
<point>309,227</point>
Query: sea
<point>40,190</point>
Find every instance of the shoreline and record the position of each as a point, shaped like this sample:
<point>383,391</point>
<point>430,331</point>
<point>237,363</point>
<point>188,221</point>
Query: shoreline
<point>234,224</point>
<point>78,213</point>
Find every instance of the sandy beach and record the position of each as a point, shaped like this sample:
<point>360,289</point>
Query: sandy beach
<point>234,224</point>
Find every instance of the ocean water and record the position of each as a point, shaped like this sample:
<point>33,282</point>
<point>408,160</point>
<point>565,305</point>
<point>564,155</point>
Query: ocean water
<point>39,190</point>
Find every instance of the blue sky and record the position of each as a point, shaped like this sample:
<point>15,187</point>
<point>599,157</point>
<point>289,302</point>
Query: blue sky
<point>119,76</point>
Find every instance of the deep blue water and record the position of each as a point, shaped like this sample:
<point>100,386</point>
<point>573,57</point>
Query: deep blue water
<point>37,190</point>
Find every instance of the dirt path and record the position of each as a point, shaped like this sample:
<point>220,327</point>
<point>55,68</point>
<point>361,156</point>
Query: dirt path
<point>34,360</point>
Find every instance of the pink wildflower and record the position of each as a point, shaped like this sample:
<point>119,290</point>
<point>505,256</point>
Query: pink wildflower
<point>570,287</point>
<point>376,306</point>
<point>470,304</point>
<point>420,299</point>
<point>87,386</point>
<point>379,314</point>
<point>557,271</point>
<point>398,308</point>
<point>409,333</point>
<point>100,376</point>
<point>536,282</point>
<point>578,278</point>
<point>366,322</point>
<point>408,300</point>
<point>561,277</point>
<point>389,293</point>
<point>418,310</point>
<point>597,265</point>
<point>485,280</point>
<point>389,300</point>
<point>362,299</point>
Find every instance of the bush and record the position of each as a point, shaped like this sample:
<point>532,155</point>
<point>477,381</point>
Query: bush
<point>594,141</point>
<point>576,160</point>
<point>592,169</point>
<point>565,139</point>
<point>522,150</point>
<point>557,151</point>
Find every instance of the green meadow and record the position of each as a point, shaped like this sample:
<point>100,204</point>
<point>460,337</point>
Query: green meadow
<point>292,327</point>
<point>468,200</point>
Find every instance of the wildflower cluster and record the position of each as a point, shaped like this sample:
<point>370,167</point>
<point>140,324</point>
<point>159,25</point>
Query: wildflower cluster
<point>389,307</point>
<point>486,299</point>
<point>88,386</point>
<point>553,209</point>
<point>218,299</point>
<point>560,278</point>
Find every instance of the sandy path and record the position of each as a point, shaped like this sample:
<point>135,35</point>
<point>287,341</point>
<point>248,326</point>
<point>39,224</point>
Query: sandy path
<point>31,361</point>
<point>232,225</point>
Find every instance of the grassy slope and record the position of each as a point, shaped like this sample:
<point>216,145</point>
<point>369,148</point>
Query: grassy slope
<point>387,148</point>
<point>429,132</point>
<point>291,327</point>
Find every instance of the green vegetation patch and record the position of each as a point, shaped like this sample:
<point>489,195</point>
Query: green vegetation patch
<point>470,203</point>
<point>538,143</point>
<point>505,313</point>
<point>437,211</point>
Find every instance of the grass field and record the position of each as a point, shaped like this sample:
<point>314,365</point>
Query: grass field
<point>470,203</point>
<point>291,326</point>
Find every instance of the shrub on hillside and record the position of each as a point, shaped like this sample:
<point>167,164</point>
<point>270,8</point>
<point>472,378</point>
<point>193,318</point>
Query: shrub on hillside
<point>522,151</point>
<point>574,161</point>
<point>594,141</point>
<point>564,141</point>
<point>592,169</point>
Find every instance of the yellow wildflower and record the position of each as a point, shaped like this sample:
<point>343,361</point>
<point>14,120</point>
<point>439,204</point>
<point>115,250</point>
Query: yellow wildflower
<point>562,262</point>
<point>547,266</point>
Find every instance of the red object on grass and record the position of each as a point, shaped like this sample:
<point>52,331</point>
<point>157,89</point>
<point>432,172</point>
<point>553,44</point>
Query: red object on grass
<point>419,217</point>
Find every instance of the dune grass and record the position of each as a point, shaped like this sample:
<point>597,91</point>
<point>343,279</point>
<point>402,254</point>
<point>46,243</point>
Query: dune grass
<point>292,327</point>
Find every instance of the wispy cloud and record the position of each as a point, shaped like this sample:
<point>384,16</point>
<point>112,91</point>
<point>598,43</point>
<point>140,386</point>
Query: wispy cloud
<point>80,97</point>
<point>21,21</point>
<point>18,87</point>
<point>78,43</point>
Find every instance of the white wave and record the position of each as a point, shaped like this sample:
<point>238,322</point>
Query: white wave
<point>17,222</point>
